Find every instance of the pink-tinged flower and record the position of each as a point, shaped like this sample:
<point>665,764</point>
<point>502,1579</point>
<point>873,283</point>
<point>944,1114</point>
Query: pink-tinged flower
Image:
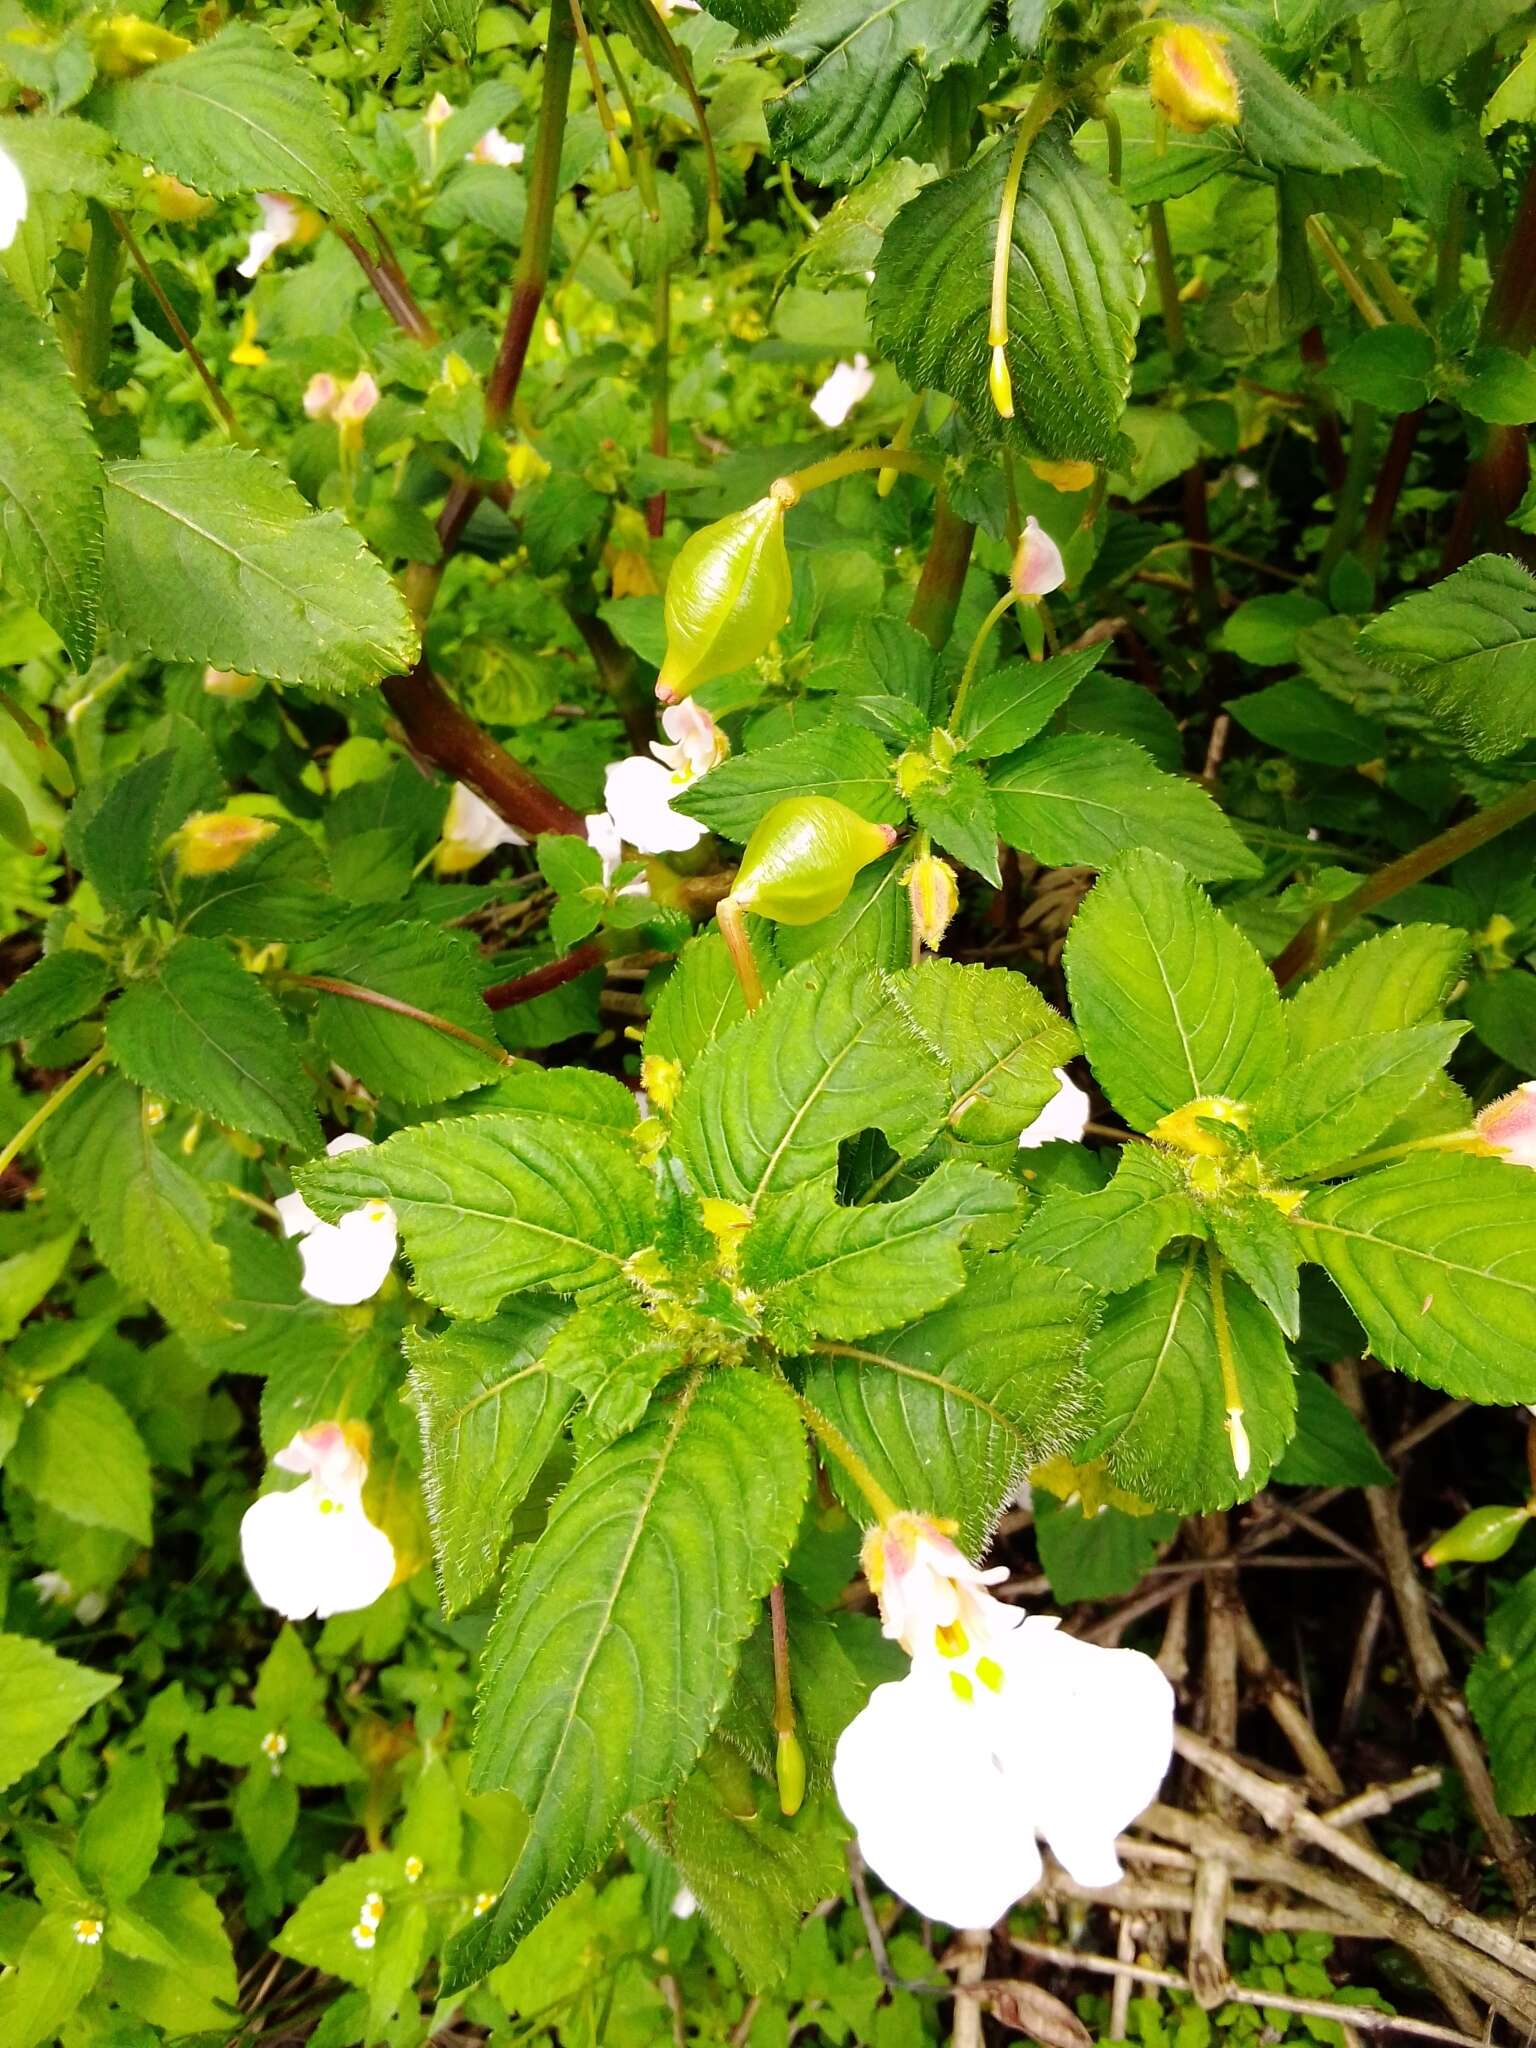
<point>439,109</point>
<point>313,1549</point>
<point>848,384</point>
<point>496,148</point>
<point>356,400</point>
<point>1037,565</point>
<point>1064,1118</point>
<point>279,225</point>
<point>320,396</point>
<point>1509,1125</point>
<point>346,1262</point>
<point>1004,1730</point>
<point>471,830</point>
<point>641,792</point>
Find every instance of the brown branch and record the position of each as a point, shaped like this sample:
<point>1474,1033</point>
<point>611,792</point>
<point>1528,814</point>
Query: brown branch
<point>937,598</point>
<point>1433,1673</point>
<point>437,728</point>
<point>173,320</point>
<point>1389,483</point>
<point>538,981</point>
<point>395,295</point>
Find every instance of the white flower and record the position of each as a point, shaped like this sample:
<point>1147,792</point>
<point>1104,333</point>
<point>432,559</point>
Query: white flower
<point>495,148</point>
<point>87,1932</point>
<point>1064,1117</point>
<point>843,390</point>
<point>344,1262</point>
<point>279,224</point>
<point>1004,1729</point>
<point>471,830</point>
<point>1037,565</point>
<point>313,1550</point>
<point>13,200</point>
<point>685,1905</point>
<point>51,1587</point>
<point>639,792</point>
<point>1509,1125</point>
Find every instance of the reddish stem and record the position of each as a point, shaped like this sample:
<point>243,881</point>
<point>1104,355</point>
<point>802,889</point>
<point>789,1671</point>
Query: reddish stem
<point>437,728</point>
<point>1389,483</point>
<point>943,579</point>
<point>538,981</point>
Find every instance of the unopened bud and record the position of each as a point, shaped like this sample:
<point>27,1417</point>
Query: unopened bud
<point>800,862</point>
<point>1000,383</point>
<point>1479,1538</point>
<point>789,1769</point>
<point>661,1079</point>
<point>1191,81</point>
<point>1037,565</point>
<point>618,162</point>
<point>229,682</point>
<point>714,226</point>
<point>1508,1126</point>
<point>211,841</point>
<point>1188,1128</point>
<point>934,895</point>
<point>126,43</point>
<point>1063,476</point>
<point>175,201</point>
<point>439,109</point>
<point>727,596</point>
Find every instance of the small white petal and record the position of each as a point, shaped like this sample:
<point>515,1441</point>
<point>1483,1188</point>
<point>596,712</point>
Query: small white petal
<point>13,200</point>
<point>1510,1124</point>
<point>313,1550</point>
<point>1037,565</point>
<point>1064,1117</point>
<point>471,830</point>
<point>295,1214</point>
<point>606,840</point>
<point>638,794</point>
<point>348,1262</point>
<point>848,384</point>
<point>698,744</point>
<point>940,1818</point>
<point>495,148</point>
<point>279,224</point>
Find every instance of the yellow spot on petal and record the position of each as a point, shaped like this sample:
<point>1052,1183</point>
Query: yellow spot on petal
<point>952,1639</point>
<point>963,1688</point>
<point>990,1674</point>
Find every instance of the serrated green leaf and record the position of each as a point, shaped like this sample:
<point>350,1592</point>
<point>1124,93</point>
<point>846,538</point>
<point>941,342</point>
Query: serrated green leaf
<point>1171,1001</point>
<point>958,815</point>
<point>614,1653</point>
<point>1110,1239</point>
<point>79,1453</point>
<point>120,1835</point>
<point>239,114</point>
<point>951,1411</point>
<point>407,968</point>
<point>1263,1251</point>
<point>1437,1257</point>
<point>827,1055</point>
<point>1428,40</point>
<point>1013,703</point>
<point>868,70</point>
<point>51,518</point>
<point>200,1030</point>
<point>194,1989</point>
<point>1155,1364</point>
<point>491,1412</point>
<point>119,836</point>
<point>998,1038</point>
<point>148,1218</point>
<point>754,1873</point>
<point>1499,1689</point>
<point>411,26</point>
<point>1330,1447</point>
<point>42,1696</point>
<point>213,556</point>
<point>53,993</point>
<point>701,999</point>
<point>841,761</point>
<point>1095,1557</point>
<point>1327,1108</point>
<point>612,1353</point>
<point>489,1205</point>
<point>54,1973</point>
<point>1078,799</point>
<point>822,1270</point>
<point>1395,980</point>
<point>873,927</point>
<point>1281,127</point>
<point>1468,646</point>
<point>1074,290</point>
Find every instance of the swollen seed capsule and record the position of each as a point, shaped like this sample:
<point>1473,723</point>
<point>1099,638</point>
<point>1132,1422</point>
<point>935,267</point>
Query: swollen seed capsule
<point>800,862</point>
<point>789,1769</point>
<point>1479,1538</point>
<point>211,841</point>
<point>727,596</point>
<point>1192,82</point>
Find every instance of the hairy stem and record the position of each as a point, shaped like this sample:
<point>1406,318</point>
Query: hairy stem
<point>56,1100</point>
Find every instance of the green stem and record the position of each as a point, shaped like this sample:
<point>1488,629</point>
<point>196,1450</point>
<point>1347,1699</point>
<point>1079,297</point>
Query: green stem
<point>1172,305</point>
<point>983,634</point>
<point>1452,1141</point>
<point>56,1100</point>
<point>1333,256</point>
<point>661,344</point>
<point>103,264</point>
<point>1448,250</point>
<point>797,205</point>
<point>832,1440</point>
<point>833,468</point>
<point>1114,142</point>
<point>1306,949</point>
<point>1349,502</point>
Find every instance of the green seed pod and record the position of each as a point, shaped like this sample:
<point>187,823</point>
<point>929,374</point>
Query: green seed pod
<point>727,596</point>
<point>800,862</point>
<point>1479,1538</point>
<point>789,1769</point>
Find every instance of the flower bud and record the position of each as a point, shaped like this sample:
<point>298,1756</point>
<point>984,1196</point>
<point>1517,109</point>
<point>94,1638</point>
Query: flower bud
<point>228,682</point>
<point>175,201</point>
<point>1000,383</point>
<point>1063,476</point>
<point>727,596</point>
<point>211,841</point>
<point>1191,81</point>
<point>1187,1129</point>
<point>789,1769</point>
<point>1508,1126</point>
<point>934,896</point>
<point>1479,1538</point>
<point>618,162</point>
<point>1037,565</point>
<point>126,43</point>
<point>800,862</point>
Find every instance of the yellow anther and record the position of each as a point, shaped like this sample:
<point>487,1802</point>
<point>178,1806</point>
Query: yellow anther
<point>951,1639</point>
